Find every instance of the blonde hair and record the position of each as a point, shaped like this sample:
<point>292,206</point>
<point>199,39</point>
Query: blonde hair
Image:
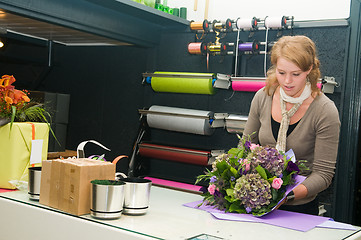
<point>301,51</point>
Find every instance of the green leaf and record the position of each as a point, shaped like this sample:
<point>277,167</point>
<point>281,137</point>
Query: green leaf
<point>286,179</point>
<point>261,172</point>
<point>233,161</point>
<point>233,171</point>
<point>230,199</point>
<point>269,175</point>
<point>13,114</point>
<point>221,166</point>
<point>270,180</point>
<point>236,207</point>
<point>233,151</point>
<point>241,153</point>
<point>230,192</point>
<point>274,194</point>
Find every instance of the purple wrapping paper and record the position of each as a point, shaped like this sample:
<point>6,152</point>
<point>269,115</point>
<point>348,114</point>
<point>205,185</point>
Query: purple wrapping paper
<point>280,218</point>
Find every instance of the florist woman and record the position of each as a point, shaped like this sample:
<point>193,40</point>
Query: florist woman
<point>291,112</point>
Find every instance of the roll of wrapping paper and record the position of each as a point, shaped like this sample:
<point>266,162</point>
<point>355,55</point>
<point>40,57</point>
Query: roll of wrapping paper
<point>248,86</point>
<point>236,123</point>
<point>177,154</point>
<point>193,121</point>
<point>253,86</point>
<point>180,82</point>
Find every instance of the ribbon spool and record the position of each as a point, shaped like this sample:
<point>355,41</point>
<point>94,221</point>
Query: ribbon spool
<point>275,22</point>
<point>249,47</point>
<point>196,26</point>
<point>215,48</point>
<point>180,120</point>
<point>247,23</point>
<point>183,82</point>
<point>228,24</point>
<point>198,48</point>
<point>218,25</point>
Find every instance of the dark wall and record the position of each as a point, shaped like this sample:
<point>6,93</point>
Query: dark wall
<point>104,84</point>
<point>106,92</point>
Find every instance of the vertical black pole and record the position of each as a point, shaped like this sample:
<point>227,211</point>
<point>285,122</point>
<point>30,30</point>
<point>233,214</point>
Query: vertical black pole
<point>346,176</point>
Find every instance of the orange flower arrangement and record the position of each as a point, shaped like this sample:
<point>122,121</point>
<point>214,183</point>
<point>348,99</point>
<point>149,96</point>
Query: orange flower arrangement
<point>16,106</point>
<point>9,94</point>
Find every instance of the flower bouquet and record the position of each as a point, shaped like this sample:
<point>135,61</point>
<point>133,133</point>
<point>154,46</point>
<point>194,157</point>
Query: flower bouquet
<point>249,179</point>
<point>16,106</point>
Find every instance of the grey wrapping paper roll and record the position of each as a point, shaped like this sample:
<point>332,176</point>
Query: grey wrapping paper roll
<point>236,123</point>
<point>187,124</point>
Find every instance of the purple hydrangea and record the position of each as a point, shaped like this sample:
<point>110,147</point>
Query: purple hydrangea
<point>268,158</point>
<point>253,191</point>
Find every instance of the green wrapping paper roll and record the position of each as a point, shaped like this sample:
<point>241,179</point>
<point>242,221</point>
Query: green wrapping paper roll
<point>177,84</point>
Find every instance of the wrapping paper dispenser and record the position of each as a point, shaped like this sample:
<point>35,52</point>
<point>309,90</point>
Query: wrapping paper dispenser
<point>218,80</point>
<point>232,122</point>
<point>177,154</point>
<point>224,81</point>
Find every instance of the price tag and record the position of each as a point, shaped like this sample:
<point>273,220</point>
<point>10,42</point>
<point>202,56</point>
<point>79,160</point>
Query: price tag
<point>36,151</point>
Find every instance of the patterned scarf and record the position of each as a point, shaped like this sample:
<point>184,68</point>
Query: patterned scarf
<point>286,115</point>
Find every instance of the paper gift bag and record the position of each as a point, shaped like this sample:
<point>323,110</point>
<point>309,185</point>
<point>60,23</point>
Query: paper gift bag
<point>15,148</point>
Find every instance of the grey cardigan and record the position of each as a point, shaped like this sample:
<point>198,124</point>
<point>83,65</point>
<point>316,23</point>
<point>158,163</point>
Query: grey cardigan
<point>315,138</point>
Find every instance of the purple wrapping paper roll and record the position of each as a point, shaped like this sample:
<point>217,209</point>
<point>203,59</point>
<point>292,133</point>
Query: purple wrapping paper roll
<point>245,47</point>
<point>247,86</point>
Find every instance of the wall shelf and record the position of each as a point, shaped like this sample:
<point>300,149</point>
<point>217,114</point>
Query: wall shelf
<point>92,22</point>
<point>144,13</point>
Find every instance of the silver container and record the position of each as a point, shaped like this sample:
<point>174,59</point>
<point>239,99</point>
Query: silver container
<point>137,193</point>
<point>34,183</point>
<point>107,199</point>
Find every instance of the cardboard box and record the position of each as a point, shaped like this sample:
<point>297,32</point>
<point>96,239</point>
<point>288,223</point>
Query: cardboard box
<point>65,184</point>
<point>15,150</point>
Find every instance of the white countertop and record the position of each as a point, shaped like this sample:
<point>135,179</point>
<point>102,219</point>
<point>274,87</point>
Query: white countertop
<point>166,218</point>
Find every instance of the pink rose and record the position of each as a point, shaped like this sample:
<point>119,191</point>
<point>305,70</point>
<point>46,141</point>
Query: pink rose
<point>212,189</point>
<point>253,146</point>
<point>246,164</point>
<point>277,183</point>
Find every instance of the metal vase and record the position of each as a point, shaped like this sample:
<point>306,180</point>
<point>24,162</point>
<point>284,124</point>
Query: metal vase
<point>107,199</point>
<point>137,193</point>
<point>34,183</point>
